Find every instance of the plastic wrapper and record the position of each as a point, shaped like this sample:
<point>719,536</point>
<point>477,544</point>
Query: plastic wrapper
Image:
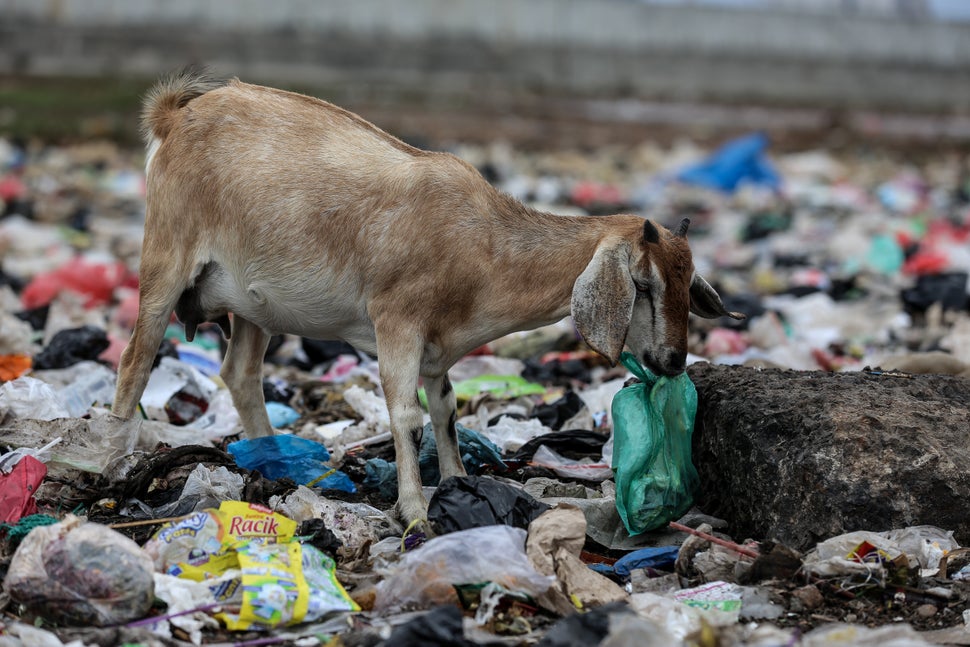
<point>865,553</point>
<point>370,407</point>
<point>426,576</point>
<point>610,624</point>
<point>557,414</point>
<point>687,611</point>
<point>246,555</point>
<point>572,443</point>
<point>742,160</point>
<point>201,545</point>
<point>182,596</point>
<point>845,635</point>
<point>282,584</point>
<point>81,573</point>
<point>221,418</point>
<point>652,426</point>
<point>13,366</point>
<point>656,557</point>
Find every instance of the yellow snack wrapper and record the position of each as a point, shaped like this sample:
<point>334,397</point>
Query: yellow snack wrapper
<point>201,545</point>
<point>283,584</point>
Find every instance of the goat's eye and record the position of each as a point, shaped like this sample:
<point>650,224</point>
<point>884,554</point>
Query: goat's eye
<point>642,290</point>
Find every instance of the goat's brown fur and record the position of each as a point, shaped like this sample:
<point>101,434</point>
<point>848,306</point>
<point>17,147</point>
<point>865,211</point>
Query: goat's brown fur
<point>298,216</point>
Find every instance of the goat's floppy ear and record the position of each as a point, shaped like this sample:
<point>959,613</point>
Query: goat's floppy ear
<point>602,302</point>
<point>705,302</point>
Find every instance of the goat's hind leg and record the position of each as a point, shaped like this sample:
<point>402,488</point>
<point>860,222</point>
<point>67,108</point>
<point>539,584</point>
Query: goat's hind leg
<point>163,279</point>
<point>242,371</point>
<point>443,409</point>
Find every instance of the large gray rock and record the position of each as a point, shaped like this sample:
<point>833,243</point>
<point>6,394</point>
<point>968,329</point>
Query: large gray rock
<point>803,456</point>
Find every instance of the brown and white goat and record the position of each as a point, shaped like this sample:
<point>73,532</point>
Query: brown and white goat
<point>299,217</point>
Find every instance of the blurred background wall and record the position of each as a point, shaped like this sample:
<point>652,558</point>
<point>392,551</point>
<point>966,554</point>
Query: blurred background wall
<point>852,66</point>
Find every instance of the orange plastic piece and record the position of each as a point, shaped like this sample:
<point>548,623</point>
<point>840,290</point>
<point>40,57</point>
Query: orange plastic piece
<point>13,366</point>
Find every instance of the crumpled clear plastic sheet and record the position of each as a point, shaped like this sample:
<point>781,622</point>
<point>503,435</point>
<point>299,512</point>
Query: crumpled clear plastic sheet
<point>30,398</point>
<point>354,524</point>
<point>425,576</point>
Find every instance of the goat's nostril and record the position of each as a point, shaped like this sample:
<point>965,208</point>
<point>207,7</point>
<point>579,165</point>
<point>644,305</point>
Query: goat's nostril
<point>678,359</point>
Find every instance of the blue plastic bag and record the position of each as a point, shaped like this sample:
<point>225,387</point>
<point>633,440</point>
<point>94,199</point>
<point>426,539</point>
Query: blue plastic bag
<point>740,160</point>
<point>652,426</point>
<point>288,456</point>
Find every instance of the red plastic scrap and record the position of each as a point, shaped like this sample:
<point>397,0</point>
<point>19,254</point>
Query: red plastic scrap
<point>926,262</point>
<point>866,553</point>
<point>12,188</point>
<point>18,487</point>
<point>96,281</point>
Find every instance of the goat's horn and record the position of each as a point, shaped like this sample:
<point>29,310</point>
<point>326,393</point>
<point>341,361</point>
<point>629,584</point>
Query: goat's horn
<point>682,230</point>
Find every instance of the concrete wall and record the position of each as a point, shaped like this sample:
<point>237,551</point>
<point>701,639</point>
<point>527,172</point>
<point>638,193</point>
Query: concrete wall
<point>574,47</point>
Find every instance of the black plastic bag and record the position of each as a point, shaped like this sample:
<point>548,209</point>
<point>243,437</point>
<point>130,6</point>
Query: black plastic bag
<point>68,347</point>
<point>583,629</point>
<point>440,627</point>
<point>463,502</point>
<point>572,443</point>
<point>558,413</point>
<point>948,289</point>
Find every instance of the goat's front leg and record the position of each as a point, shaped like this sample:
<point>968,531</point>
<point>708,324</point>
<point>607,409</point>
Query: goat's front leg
<point>399,360</point>
<point>242,371</point>
<point>443,410</point>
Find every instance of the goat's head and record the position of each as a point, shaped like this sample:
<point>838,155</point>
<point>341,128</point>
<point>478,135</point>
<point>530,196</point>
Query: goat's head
<point>639,293</point>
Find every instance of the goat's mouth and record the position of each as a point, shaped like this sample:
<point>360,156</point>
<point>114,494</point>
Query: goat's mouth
<point>659,370</point>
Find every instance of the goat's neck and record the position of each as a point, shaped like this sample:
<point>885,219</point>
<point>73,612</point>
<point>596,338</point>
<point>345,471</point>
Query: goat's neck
<point>539,255</point>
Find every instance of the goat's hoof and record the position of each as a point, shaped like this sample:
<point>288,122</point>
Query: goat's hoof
<point>416,533</point>
<point>415,523</point>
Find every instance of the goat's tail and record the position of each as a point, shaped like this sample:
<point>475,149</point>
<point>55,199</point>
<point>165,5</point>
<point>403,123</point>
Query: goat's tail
<point>169,95</point>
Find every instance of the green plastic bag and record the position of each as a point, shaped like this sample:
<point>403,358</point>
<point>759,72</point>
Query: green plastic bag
<point>652,426</point>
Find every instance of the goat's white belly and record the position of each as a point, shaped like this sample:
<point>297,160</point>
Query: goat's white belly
<point>326,308</point>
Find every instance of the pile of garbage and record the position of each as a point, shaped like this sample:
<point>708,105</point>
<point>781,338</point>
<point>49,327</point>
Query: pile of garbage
<point>576,524</point>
